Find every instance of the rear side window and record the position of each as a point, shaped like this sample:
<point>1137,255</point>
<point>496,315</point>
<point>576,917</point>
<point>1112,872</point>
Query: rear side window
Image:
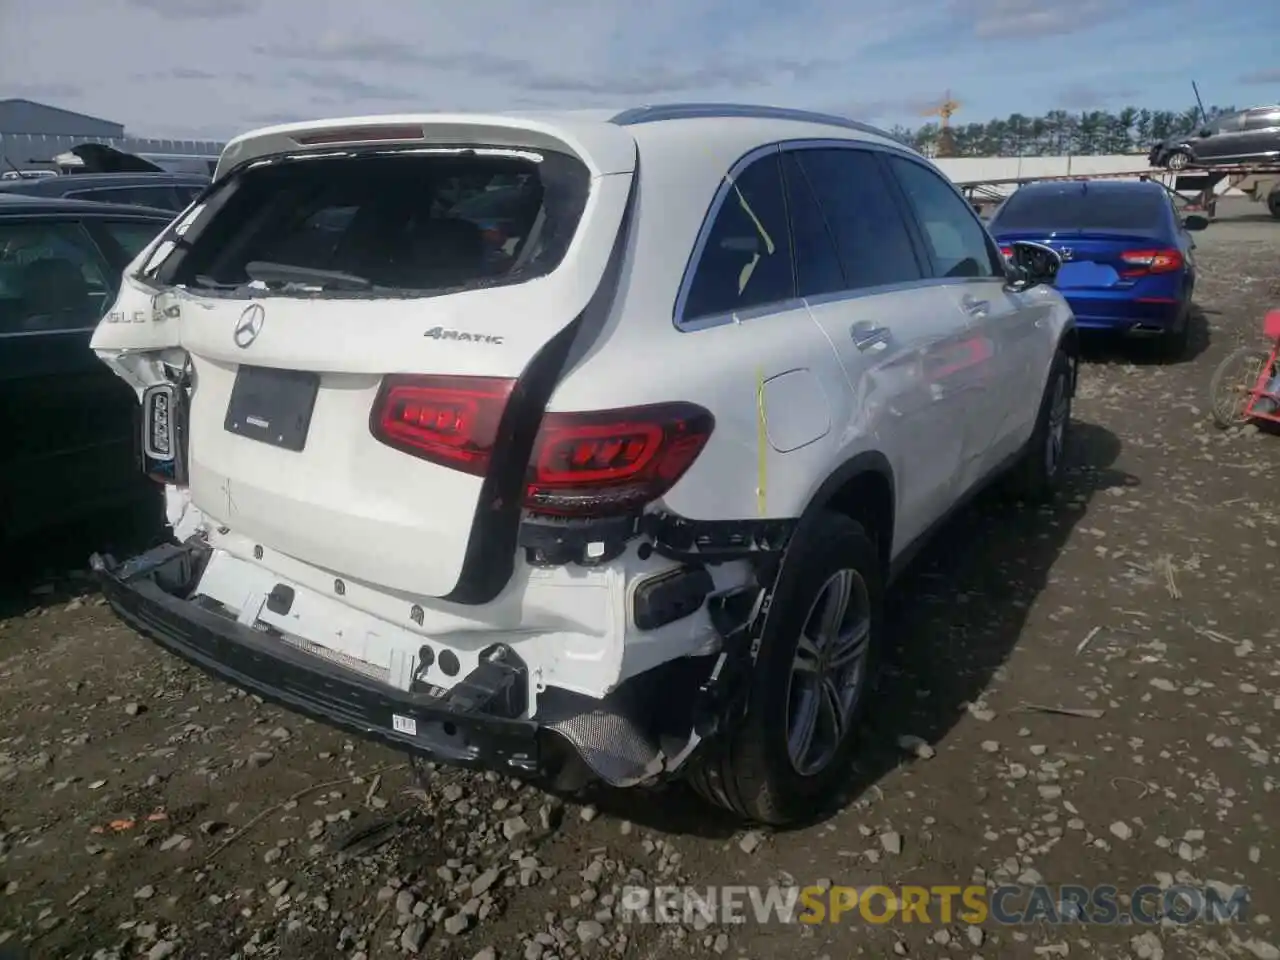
<point>1078,208</point>
<point>746,261</point>
<point>51,278</point>
<point>818,269</point>
<point>870,233</point>
<point>379,222</point>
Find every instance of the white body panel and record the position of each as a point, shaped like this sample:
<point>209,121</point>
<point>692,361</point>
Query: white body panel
<point>794,399</point>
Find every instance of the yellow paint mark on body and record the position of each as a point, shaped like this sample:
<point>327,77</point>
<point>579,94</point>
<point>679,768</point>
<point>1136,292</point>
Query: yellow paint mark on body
<point>762,442</point>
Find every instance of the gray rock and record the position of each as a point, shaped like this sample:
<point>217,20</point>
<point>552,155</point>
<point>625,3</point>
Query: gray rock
<point>589,930</point>
<point>485,881</point>
<point>414,936</point>
<point>260,758</point>
<point>162,950</point>
<point>456,924</point>
<point>514,827</point>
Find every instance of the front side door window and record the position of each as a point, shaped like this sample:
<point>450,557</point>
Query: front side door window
<point>957,243</point>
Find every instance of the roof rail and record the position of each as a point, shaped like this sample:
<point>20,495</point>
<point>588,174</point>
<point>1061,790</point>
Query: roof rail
<point>691,111</point>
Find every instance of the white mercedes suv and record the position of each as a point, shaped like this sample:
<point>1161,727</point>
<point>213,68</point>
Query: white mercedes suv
<point>575,445</point>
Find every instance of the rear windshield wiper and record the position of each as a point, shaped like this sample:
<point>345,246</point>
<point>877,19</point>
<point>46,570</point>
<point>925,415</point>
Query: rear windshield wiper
<point>265,272</point>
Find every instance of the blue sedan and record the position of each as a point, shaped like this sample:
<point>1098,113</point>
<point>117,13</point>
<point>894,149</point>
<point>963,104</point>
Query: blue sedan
<point>1128,259</point>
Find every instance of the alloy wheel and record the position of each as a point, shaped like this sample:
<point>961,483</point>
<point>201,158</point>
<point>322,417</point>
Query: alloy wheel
<point>827,672</point>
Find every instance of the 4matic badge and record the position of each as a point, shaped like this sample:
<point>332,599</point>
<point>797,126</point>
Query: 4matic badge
<point>441,333</point>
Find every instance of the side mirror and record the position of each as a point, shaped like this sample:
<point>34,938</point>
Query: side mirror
<point>1032,264</point>
<point>1194,221</point>
<point>1206,132</point>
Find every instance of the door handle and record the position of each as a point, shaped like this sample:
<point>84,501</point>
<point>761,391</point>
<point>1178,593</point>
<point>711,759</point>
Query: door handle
<point>974,307</point>
<point>866,334</point>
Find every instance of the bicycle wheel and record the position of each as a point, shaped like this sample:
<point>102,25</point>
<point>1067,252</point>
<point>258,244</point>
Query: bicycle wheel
<point>1232,384</point>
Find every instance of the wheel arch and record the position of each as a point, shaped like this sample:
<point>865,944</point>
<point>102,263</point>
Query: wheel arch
<point>862,488</point>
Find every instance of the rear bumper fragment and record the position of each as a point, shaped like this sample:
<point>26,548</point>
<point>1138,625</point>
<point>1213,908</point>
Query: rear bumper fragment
<point>142,593</point>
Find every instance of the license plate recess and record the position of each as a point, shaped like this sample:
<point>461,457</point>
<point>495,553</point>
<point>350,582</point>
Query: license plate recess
<point>273,406</point>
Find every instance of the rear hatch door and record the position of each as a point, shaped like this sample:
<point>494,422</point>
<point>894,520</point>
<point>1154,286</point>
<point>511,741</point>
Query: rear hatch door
<point>328,265</point>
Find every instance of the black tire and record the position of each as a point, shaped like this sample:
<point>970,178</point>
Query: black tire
<point>1177,160</point>
<point>751,772</point>
<point>1037,477</point>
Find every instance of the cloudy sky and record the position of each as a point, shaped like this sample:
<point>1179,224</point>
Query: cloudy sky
<point>212,68</point>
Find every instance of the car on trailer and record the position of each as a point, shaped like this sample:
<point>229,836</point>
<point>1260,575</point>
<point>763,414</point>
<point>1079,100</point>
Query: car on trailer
<point>1238,139</point>
<point>1128,255</point>
<point>603,476</point>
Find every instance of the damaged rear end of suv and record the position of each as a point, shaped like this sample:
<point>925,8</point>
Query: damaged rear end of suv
<point>380,518</point>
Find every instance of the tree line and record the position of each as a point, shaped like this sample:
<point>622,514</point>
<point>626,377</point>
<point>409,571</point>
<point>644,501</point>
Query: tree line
<point>1056,133</point>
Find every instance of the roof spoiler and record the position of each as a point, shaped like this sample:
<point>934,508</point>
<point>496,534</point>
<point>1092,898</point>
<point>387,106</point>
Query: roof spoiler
<point>100,158</point>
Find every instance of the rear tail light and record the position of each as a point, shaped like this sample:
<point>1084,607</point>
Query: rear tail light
<point>452,421</point>
<point>613,461</point>
<point>1143,262</point>
<point>592,464</point>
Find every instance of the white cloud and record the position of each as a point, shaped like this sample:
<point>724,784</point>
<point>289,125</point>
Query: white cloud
<point>215,67</point>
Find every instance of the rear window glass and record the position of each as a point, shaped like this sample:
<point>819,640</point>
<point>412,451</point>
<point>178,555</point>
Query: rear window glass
<point>414,221</point>
<point>1081,210</point>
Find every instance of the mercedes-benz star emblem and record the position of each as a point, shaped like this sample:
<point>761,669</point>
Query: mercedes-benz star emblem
<point>249,325</point>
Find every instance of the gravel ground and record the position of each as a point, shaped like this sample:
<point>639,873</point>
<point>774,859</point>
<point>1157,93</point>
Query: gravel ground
<point>149,812</point>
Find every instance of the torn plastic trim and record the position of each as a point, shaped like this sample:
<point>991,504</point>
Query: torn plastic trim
<point>651,728</point>
<point>549,542</point>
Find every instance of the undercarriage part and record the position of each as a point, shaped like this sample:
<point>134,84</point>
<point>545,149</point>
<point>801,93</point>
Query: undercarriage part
<point>670,596</point>
<point>498,686</point>
<point>549,543</point>
<point>648,728</point>
<point>715,541</point>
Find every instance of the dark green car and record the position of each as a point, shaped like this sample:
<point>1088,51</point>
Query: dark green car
<point>66,421</point>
